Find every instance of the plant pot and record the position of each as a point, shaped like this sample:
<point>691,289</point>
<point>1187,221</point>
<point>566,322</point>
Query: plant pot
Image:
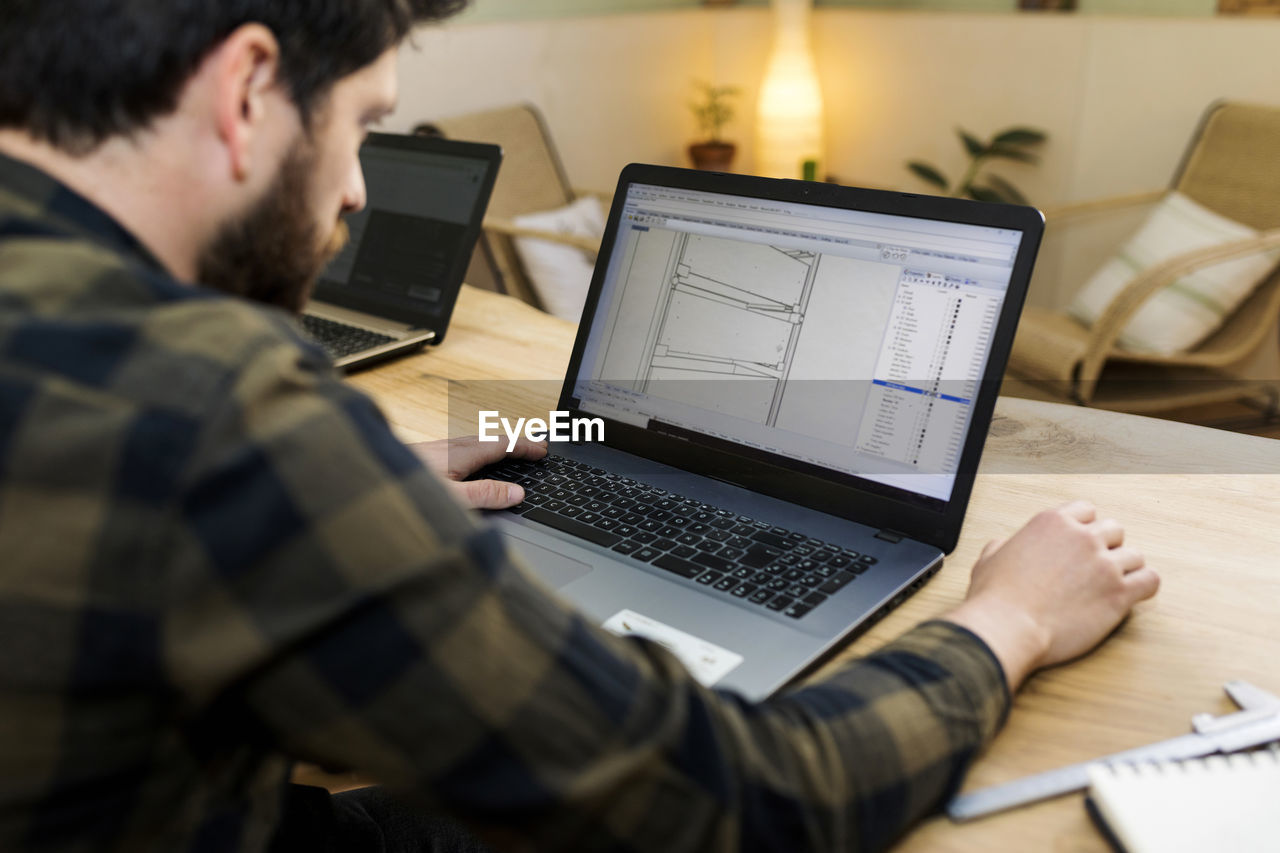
<point>714,156</point>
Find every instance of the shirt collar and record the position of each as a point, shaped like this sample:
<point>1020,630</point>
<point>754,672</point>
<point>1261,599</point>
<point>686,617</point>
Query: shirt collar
<point>58,205</point>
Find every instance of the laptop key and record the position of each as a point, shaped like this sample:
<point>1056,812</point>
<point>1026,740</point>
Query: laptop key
<point>573,528</point>
<point>797,610</point>
<point>571,512</point>
<point>767,538</point>
<point>708,577</point>
<point>677,566</point>
<point>813,599</point>
<point>662,544</point>
<point>643,537</point>
<point>742,590</point>
<point>625,530</point>
<point>684,551</point>
<point>711,561</point>
<point>760,596</point>
<point>779,603</point>
<point>836,583</point>
<point>645,554</point>
<point>626,547</point>
<point>726,583</point>
<point>669,531</point>
<point>688,539</point>
<point>588,517</point>
<point>759,556</point>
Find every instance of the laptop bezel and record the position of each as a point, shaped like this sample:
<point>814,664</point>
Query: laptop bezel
<point>864,501</point>
<point>436,320</point>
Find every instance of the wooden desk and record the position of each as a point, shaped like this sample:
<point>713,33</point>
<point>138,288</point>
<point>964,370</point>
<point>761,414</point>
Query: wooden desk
<point>1184,494</point>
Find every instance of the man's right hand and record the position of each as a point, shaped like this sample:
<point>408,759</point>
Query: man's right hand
<point>1053,590</point>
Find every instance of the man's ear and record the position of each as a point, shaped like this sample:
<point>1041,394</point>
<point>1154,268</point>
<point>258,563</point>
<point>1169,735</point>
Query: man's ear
<point>246,69</point>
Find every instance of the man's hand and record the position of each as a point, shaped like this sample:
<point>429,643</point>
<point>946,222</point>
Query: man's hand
<point>1053,590</point>
<point>456,459</point>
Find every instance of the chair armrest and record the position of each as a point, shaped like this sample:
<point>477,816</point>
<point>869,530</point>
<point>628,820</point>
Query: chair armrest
<point>510,229</point>
<point>1107,328</point>
<point>1077,209</point>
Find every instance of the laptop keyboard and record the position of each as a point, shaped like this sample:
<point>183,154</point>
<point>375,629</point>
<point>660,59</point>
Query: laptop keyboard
<point>339,339</point>
<point>737,556</point>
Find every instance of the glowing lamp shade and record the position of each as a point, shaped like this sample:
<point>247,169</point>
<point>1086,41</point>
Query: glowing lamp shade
<point>789,114</point>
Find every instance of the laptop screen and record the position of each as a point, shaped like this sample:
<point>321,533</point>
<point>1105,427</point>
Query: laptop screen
<point>411,243</point>
<point>842,339</point>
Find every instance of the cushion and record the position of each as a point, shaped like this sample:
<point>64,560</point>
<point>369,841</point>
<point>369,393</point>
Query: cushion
<point>1191,308</point>
<point>561,274</point>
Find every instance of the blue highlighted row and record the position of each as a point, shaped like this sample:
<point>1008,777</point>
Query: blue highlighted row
<point>897,386</point>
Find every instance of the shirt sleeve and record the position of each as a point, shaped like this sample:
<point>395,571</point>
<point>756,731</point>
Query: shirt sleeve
<point>326,586</point>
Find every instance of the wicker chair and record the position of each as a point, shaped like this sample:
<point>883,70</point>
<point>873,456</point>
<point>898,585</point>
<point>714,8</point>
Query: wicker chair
<point>531,179</point>
<point>1232,166</point>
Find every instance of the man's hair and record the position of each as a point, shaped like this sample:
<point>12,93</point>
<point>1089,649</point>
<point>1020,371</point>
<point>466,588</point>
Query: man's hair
<point>74,73</point>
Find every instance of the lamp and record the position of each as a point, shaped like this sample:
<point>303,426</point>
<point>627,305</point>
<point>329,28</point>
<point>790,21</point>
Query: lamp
<point>789,138</point>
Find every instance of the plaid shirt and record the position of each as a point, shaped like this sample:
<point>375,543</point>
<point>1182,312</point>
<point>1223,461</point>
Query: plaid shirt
<point>216,559</point>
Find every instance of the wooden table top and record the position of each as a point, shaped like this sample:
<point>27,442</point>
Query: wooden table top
<point>1201,503</point>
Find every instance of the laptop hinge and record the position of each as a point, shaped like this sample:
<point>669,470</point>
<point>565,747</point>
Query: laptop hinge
<point>890,536</point>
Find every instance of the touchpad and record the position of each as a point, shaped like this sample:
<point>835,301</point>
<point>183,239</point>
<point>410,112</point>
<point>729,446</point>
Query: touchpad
<point>552,567</point>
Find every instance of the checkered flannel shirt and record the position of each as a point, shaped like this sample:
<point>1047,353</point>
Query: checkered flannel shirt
<point>216,559</point>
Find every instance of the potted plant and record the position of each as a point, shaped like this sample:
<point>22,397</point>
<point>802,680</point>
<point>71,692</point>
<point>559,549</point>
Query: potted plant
<point>1014,143</point>
<point>713,109</point>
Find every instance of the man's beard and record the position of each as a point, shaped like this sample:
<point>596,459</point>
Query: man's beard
<point>273,253</point>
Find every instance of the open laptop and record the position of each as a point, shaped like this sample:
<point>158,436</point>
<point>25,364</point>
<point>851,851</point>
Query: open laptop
<point>392,289</point>
<point>795,381</point>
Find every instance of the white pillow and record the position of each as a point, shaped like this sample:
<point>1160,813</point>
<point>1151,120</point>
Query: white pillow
<point>1191,308</point>
<point>561,274</point>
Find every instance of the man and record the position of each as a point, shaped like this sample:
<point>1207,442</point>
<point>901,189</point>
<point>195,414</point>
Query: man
<point>217,560</point>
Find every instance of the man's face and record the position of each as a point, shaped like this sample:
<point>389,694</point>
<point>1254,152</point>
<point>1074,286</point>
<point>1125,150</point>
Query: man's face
<point>274,252</point>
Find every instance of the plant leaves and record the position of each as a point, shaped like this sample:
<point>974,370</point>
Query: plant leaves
<point>928,174</point>
<point>1006,189</point>
<point>972,144</point>
<point>1012,154</point>
<point>1019,136</point>
<point>984,194</point>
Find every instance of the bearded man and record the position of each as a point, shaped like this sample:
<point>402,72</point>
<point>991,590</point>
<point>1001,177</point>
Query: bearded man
<point>216,560</point>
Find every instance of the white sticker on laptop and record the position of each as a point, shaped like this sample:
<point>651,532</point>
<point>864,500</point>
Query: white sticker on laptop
<point>706,662</point>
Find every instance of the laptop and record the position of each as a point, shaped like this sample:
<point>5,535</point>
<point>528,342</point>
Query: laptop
<point>392,288</point>
<point>794,383</point>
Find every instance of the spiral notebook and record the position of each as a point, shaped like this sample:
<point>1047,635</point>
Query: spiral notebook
<point>1224,802</point>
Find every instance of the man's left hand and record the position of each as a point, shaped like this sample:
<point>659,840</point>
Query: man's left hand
<point>455,459</point>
